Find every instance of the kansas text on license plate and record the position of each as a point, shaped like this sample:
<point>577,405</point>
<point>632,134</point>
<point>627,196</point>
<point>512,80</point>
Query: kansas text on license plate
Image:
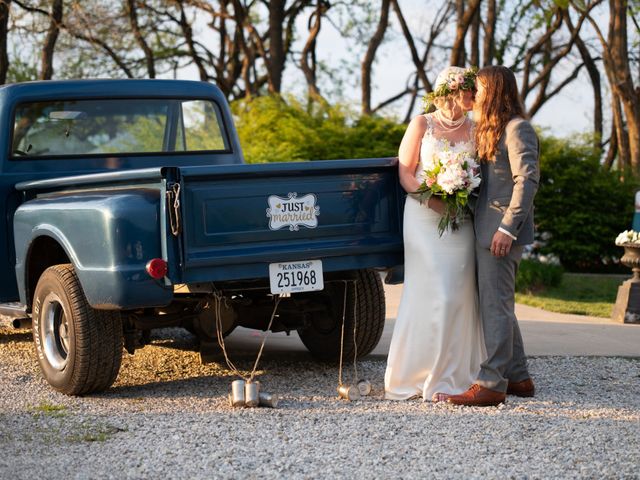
<point>290,277</point>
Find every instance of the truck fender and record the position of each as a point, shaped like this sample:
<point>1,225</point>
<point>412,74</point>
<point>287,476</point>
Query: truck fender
<point>108,237</point>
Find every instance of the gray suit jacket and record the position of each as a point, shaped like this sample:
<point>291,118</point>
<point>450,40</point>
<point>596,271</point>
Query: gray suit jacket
<point>508,186</point>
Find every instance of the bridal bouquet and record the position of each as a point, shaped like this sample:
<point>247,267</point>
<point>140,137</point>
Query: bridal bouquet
<point>452,175</point>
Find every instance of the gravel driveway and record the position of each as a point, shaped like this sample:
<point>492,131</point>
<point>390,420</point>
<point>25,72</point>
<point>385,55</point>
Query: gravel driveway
<point>167,416</point>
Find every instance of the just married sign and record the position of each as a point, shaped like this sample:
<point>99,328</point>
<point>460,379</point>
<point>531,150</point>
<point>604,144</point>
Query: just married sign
<point>292,211</point>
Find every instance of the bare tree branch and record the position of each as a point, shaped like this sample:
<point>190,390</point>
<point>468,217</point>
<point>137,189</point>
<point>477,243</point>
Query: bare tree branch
<point>474,59</point>
<point>489,43</point>
<point>308,59</point>
<point>392,99</point>
<point>594,76</point>
<point>46,64</point>
<point>5,7</point>
<point>418,63</point>
<point>465,17</point>
<point>367,62</point>
<point>544,96</point>
<point>188,35</point>
<point>132,12</point>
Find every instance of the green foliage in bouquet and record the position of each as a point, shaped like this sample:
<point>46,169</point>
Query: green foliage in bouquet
<point>580,206</point>
<point>278,129</point>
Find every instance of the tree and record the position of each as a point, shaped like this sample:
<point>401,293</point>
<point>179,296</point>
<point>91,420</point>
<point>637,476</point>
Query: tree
<point>367,61</point>
<point>5,6</point>
<point>46,71</point>
<point>488,47</point>
<point>442,17</point>
<point>308,62</point>
<point>466,13</point>
<point>132,11</point>
<point>594,75</point>
<point>625,95</point>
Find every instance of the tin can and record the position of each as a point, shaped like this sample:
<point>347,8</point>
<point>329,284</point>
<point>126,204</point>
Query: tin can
<point>237,393</point>
<point>251,394</point>
<point>349,392</point>
<point>268,400</point>
<point>364,387</point>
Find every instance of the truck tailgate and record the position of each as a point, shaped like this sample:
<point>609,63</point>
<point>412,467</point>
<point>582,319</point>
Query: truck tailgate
<point>238,219</point>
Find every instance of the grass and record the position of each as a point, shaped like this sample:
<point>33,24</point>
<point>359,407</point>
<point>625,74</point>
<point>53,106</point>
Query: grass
<point>66,429</point>
<point>581,294</point>
<point>49,409</point>
<point>94,433</point>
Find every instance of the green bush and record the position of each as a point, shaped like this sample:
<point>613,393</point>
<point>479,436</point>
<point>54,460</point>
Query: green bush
<point>534,276</point>
<point>580,207</point>
<point>274,129</point>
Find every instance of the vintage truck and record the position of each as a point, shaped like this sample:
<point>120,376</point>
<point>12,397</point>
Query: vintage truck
<point>127,206</point>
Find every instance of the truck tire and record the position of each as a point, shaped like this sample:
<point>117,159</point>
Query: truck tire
<point>322,336</point>
<point>79,348</point>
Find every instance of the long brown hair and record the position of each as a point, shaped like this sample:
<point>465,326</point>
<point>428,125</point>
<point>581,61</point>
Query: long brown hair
<point>500,104</point>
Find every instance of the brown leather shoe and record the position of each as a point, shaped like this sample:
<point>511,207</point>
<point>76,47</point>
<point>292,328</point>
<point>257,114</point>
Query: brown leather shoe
<point>478,396</point>
<point>525,388</point>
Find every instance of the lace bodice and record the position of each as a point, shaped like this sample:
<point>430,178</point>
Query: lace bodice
<point>434,141</point>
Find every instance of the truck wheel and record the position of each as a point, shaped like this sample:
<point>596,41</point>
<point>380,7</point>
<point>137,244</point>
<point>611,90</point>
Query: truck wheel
<point>79,349</point>
<point>322,336</point>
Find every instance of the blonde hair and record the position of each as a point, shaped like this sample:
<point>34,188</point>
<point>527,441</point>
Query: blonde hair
<point>448,102</point>
<point>500,104</point>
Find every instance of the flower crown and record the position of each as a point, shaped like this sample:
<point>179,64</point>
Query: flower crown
<point>452,83</point>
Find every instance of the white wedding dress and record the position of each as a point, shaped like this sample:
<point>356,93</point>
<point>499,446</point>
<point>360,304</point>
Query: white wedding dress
<point>437,343</point>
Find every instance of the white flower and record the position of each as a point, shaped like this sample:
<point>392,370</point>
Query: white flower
<point>475,182</point>
<point>447,157</point>
<point>450,179</point>
<point>459,148</point>
<point>628,236</point>
<point>430,162</point>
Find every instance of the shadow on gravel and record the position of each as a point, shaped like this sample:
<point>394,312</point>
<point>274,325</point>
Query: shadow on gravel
<point>244,354</point>
<point>201,387</point>
<point>292,374</point>
<point>15,336</point>
<point>248,357</point>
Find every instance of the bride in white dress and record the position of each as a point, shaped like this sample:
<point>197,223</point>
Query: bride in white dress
<point>437,344</point>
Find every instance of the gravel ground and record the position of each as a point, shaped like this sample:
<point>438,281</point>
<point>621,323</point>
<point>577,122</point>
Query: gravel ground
<point>167,416</point>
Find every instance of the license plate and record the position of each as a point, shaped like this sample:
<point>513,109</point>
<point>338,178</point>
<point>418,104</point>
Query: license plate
<point>291,277</point>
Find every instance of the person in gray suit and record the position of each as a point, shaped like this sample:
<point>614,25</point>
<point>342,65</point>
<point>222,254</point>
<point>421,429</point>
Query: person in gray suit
<point>508,150</point>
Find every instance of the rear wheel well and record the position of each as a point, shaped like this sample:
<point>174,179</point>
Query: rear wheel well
<point>43,253</point>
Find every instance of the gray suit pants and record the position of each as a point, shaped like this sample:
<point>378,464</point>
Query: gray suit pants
<point>505,352</point>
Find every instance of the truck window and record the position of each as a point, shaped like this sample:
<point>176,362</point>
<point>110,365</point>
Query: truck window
<point>116,126</point>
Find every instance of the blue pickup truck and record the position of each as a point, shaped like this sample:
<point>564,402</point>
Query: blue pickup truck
<point>127,206</point>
